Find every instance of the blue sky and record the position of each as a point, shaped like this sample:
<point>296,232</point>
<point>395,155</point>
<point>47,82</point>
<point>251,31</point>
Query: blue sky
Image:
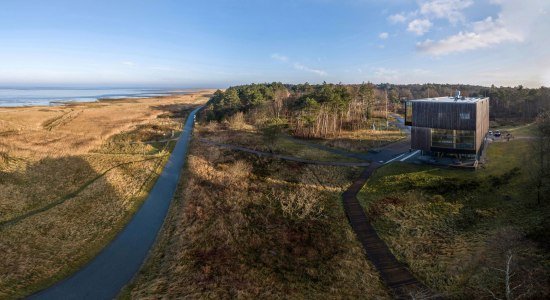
<point>219,43</point>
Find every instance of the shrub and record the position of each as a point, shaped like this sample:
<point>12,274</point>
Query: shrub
<point>467,217</point>
<point>300,204</point>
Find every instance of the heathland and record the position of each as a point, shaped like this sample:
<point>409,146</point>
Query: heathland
<point>244,226</point>
<point>248,226</point>
<point>71,176</point>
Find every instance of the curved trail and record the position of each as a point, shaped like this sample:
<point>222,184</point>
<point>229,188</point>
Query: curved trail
<point>118,262</point>
<point>395,275</point>
<point>286,157</point>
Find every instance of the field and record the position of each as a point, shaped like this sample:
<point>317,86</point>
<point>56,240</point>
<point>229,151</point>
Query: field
<point>363,140</point>
<point>71,177</point>
<point>236,131</point>
<point>249,227</point>
<point>458,229</point>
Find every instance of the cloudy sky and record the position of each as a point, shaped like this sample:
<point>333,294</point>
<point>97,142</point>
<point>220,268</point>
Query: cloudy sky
<point>219,43</point>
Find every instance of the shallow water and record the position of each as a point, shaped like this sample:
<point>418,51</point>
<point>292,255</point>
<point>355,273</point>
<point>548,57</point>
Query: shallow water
<point>41,96</point>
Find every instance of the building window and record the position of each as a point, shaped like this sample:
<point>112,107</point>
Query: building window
<point>453,139</point>
<point>465,116</point>
<point>408,113</point>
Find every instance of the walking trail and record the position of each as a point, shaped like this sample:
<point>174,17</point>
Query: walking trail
<point>118,262</point>
<point>396,275</point>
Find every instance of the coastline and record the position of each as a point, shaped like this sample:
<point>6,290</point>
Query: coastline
<point>80,100</point>
<point>83,168</point>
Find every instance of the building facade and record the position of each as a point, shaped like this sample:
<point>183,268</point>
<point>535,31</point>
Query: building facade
<point>448,124</point>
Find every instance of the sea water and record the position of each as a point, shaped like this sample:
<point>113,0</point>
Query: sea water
<point>56,96</point>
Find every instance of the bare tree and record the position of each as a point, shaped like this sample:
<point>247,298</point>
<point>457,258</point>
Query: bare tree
<point>509,287</point>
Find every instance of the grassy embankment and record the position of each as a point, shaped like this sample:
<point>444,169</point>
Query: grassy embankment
<point>71,177</point>
<point>248,227</point>
<point>455,229</point>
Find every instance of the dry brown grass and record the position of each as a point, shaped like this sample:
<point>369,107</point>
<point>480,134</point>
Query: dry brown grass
<point>364,139</point>
<point>71,177</point>
<point>248,136</point>
<point>248,227</point>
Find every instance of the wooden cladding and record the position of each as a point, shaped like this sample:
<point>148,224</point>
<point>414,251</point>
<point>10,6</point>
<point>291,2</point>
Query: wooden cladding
<point>420,138</point>
<point>482,124</point>
<point>444,115</point>
<point>451,115</point>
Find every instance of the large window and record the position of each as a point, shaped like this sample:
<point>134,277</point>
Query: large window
<point>408,113</point>
<point>453,139</point>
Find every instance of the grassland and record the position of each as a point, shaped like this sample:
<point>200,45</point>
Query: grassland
<point>249,227</point>
<point>363,140</point>
<point>236,131</point>
<point>71,177</point>
<point>456,229</point>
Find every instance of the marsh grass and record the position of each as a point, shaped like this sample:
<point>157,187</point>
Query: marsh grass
<point>66,190</point>
<point>249,227</point>
<point>453,227</point>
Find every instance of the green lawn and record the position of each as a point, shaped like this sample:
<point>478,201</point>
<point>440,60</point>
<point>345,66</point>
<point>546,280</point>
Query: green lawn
<point>454,227</point>
<point>525,130</point>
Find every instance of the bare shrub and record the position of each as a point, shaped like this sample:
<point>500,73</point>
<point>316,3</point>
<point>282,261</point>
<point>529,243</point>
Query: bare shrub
<point>237,121</point>
<point>302,203</point>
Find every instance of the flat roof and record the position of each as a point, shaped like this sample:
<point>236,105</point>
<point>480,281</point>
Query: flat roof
<point>450,100</point>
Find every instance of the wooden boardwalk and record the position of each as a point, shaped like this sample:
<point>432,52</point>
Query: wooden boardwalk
<point>395,275</point>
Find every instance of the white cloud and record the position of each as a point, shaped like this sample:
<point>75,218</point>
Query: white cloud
<point>383,35</point>
<point>398,18</point>
<point>419,26</point>
<point>128,63</point>
<point>299,66</point>
<point>279,57</point>
<point>485,33</point>
<point>515,23</point>
<point>445,9</point>
<point>386,74</point>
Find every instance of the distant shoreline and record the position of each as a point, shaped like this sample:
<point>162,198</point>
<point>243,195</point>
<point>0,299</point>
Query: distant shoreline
<point>96,96</point>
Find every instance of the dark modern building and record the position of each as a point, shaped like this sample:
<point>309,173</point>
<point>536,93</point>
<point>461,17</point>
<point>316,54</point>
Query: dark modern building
<point>448,124</point>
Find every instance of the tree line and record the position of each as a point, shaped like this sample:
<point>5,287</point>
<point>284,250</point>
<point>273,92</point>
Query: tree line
<point>326,109</point>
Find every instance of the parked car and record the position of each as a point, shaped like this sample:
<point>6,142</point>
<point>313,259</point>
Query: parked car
<point>497,133</point>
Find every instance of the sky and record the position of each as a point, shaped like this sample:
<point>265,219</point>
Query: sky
<point>207,43</point>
